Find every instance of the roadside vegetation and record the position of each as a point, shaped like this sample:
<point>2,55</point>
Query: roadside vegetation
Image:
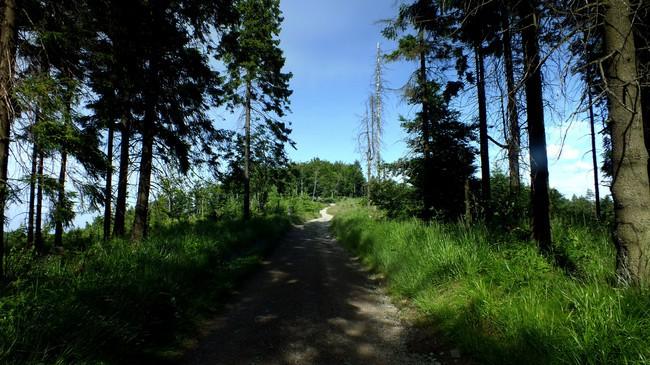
<point>188,207</point>
<point>493,294</point>
<point>115,302</point>
<point>92,301</point>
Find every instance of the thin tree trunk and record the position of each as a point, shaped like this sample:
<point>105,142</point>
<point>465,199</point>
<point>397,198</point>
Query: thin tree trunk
<point>58,218</point>
<point>58,222</point>
<point>372,131</point>
<point>594,153</point>
<point>32,195</point>
<point>427,194</point>
<point>629,154</point>
<point>483,132</point>
<point>540,220</point>
<point>247,155</point>
<point>378,113</point>
<point>7,61</point>
<point>122,181</point>
<point>38,230</point>
<point>108,190</point>
<point>140,223</point>
<point>368,177</point>
<point>514,142</point>
<point>313,195</point>
<point>468,202</point>
<point>369,154</point>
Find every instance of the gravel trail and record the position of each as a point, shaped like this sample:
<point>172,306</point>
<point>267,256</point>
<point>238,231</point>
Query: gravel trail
<point>311,303</point>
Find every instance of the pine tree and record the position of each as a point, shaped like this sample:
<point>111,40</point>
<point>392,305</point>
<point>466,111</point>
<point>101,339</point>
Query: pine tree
<point>176,85</point>
<point>254,60</point>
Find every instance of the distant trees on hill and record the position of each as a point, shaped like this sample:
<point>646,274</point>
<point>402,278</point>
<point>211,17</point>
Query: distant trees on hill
<point>323,179</point>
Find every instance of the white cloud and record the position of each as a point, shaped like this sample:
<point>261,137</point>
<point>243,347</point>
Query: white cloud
<point>563,152</point>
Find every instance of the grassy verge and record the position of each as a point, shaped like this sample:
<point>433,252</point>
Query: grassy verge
<point>497,298</point>
<point>121,303</point>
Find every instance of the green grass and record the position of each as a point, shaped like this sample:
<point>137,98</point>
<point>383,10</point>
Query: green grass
<point>497,298</point>
<point>121,303</point>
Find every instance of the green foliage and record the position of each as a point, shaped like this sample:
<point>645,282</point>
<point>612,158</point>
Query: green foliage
<point>118,303</point>
<point>254,61</point>
<point>252,55</point>
<point>510,209</point>
<point>324,179</point>
<point>440,180</point>
<point>398,200</point>
<point>451,158</point>
<point>498,298</point>
<point>441,155</point>
<point>216,202</point>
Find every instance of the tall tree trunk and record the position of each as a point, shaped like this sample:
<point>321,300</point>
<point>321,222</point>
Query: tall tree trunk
<point>630,185</point>
<point>32,195</point>
<point>427,193</point>
<point>377,112</point>
<point>313,195</point>
<point>7,61</point>
<point>58,221</point>
<point>540,219</point>
<point>483,132</point>
<point>38,230</point>
<point>108,190</point>
<point>59,208</point>
<point>468,201</point>
<point>514,142</point>
<point>369,152</point>
<point>594,153</point>
<point>122,180</point>
<point>368,177</point>
<point>140,223</point>
<point>247,155</point>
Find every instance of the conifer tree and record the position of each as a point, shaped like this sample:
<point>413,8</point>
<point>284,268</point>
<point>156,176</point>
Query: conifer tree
<point>176,86</point>
<point>254,60</point>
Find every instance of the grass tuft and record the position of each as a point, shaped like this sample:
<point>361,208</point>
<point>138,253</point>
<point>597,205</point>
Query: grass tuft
<point>497,298</point>
<point>118,302</point>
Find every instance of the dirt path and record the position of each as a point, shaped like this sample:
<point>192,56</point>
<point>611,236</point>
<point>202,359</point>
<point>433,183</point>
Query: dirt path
<point>310,304</point>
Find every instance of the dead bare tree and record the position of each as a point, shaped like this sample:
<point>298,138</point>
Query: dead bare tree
<point>365,143</point>
<point>377,112</point>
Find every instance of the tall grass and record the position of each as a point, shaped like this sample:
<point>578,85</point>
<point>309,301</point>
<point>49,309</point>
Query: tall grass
<point>501,301</point>
<point>119,302</point>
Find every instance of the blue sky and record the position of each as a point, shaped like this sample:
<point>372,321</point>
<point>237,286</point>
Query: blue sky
<point>330,48</point>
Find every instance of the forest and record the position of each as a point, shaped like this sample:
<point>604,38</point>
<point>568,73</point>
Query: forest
<point>113,110</point>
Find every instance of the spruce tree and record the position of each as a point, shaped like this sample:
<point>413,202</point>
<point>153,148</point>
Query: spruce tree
<point>255,62</point>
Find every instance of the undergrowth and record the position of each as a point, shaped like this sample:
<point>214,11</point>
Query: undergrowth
<point>497,298</point>
<point>118,302</point>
